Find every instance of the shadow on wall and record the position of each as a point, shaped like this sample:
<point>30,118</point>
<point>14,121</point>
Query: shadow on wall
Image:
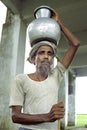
<point>6,124</point>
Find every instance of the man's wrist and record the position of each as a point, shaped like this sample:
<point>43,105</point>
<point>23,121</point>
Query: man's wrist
<point>45,117</point>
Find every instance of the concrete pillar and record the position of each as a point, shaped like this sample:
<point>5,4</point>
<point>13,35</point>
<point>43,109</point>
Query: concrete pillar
<point>63,96</point>
<point>12,53</point>
<point>71,100</point>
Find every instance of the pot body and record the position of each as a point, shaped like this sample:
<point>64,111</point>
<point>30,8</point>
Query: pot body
<point>43,28</point>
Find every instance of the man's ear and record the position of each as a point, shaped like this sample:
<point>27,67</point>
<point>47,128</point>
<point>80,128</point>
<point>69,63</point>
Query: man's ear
<point>33,60</point>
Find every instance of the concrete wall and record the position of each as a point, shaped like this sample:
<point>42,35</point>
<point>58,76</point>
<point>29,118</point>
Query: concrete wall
<point>71,100</point>
<point>63,96</point>
<point>12,52</point>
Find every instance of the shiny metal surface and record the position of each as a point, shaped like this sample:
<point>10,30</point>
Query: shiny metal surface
<point>43,27</point>
<point>42,11</point>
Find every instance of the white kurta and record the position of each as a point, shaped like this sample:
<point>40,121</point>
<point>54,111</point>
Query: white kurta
<point>37,97</point>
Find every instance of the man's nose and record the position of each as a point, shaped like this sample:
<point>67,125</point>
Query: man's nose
<point>46,55</point>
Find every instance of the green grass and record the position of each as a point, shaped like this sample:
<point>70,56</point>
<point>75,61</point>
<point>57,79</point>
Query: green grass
<point>81,119</point>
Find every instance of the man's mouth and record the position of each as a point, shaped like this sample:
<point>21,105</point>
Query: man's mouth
<point>45,62</point>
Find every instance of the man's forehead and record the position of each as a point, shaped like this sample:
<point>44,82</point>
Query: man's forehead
<point>45,47</point>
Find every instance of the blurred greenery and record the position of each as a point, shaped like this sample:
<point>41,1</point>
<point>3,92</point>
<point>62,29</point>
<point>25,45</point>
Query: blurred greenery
<point>81,119</point>
<point>81,122</point>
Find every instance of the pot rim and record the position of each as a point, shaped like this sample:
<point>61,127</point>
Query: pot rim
<point>40,7</point>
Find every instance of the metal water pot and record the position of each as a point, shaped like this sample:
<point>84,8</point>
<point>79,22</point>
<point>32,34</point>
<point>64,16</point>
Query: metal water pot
<point>43,28</point>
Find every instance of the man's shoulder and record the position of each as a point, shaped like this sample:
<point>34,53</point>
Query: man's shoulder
<point>60,65</point>
<point>59,68</point>
<point>20,76</point>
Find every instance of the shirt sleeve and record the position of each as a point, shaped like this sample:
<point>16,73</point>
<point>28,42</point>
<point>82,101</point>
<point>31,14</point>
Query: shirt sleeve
<point>60,67</point>
<point>17,94</point>
<point>60,71</point>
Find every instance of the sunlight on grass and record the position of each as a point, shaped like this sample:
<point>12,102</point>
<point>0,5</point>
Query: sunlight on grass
<point>81,119</point>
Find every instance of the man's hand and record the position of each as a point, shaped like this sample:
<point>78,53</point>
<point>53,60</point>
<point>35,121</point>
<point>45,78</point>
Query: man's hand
<point>54,15</point>
<point>57,112</point>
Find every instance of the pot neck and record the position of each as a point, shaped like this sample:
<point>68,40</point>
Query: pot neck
<point>42,11</point>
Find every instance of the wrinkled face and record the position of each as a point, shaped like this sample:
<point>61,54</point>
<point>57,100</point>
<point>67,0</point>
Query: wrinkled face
<point>44,59</point>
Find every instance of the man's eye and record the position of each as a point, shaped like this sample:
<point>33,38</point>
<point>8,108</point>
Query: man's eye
<point>41,52</point>
<point>50,53</point>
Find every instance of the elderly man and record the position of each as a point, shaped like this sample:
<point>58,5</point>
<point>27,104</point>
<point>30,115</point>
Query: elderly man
<point>34,97</point>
